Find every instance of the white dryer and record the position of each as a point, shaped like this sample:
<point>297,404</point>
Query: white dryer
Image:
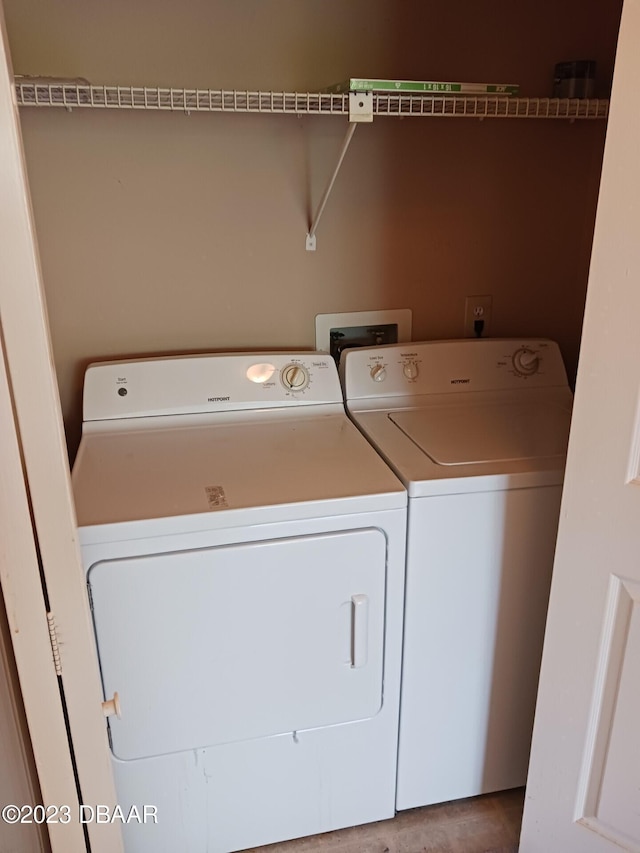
<point>477,431</point>
<point>244,550</point>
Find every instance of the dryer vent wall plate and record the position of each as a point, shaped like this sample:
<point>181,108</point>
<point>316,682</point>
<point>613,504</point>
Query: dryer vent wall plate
<point>337,332</point>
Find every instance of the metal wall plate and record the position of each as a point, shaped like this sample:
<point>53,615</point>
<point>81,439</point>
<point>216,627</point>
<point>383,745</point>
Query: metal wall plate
<point>326,322</point>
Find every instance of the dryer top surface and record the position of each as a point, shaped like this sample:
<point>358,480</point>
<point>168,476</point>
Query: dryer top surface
<point>230,472</point>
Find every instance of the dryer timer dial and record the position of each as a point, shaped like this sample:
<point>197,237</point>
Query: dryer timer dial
<point>526,362</point>
<point>294,377</point>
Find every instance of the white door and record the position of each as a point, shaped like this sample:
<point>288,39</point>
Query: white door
<point>583,791</point>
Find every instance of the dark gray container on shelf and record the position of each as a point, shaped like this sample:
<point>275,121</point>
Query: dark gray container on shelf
<point>575,79</point>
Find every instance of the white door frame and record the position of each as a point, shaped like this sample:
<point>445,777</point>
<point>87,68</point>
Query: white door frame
<point>30,386</point>
<point>27,618</point>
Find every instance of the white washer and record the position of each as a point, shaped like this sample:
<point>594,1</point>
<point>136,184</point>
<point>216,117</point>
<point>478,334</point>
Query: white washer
<point>477,432</point>
<point>244,548</point>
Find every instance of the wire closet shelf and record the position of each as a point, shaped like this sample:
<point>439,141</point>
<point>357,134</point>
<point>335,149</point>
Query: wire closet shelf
<point>74,95</point>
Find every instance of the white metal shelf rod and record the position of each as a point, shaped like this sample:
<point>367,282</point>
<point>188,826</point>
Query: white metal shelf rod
<point>30,94</point>
<point>311,236</point>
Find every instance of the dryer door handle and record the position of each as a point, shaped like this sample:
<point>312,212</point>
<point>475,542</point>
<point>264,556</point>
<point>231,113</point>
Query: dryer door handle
<point>359,630</point>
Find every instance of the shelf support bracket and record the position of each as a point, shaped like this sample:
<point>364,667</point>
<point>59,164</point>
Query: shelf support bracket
<point>360,109</point>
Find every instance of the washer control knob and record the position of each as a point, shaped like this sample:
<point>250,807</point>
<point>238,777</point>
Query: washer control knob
<point>378,372</point>
<point>294,377</point>
<point>525,361</point>
<point>410,370</point>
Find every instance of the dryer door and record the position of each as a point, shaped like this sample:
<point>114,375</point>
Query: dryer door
<point>241,641</point>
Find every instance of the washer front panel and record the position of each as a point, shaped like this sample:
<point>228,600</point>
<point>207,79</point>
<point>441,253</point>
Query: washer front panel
<point>478,575</point>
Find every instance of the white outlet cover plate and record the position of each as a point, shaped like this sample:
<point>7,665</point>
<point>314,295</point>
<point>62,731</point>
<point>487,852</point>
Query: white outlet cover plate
<point>325,322</point>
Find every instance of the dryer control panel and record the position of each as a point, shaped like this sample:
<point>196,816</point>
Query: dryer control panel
<point>208,383</point>
<point>440,367</point>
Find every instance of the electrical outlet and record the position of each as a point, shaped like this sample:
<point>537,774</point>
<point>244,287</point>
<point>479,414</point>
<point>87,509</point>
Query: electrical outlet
<point>477,316</point>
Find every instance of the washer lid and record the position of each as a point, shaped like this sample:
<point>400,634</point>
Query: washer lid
<point>487,432</point>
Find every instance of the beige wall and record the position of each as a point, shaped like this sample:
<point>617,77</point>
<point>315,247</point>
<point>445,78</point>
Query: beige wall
<point>163,232</point>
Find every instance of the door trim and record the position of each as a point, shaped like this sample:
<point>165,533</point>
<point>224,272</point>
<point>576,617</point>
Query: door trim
<point>39,429</point>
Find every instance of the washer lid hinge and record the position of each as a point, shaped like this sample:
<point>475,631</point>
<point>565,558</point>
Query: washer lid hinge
<point>53,639</point>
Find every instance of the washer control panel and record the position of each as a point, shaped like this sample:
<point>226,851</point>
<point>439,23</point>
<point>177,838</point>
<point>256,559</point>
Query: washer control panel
<point>208,383</point>
<point>389,363</point>
<point>437,367</point>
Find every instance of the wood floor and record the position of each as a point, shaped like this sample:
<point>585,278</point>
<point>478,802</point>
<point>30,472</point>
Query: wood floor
<point>487,824</point>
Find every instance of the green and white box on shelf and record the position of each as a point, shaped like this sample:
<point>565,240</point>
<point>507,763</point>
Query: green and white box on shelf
<point>429,87</point>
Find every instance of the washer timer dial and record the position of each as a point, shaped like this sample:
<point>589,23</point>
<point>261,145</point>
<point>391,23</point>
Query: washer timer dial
<point>525,362</point>
<point>294,377</point>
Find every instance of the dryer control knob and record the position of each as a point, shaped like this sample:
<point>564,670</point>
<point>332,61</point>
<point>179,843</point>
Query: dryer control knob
<point>378,372</point>
<point>294,377</point>
<point>410,370</point>
<point>525,362</point>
